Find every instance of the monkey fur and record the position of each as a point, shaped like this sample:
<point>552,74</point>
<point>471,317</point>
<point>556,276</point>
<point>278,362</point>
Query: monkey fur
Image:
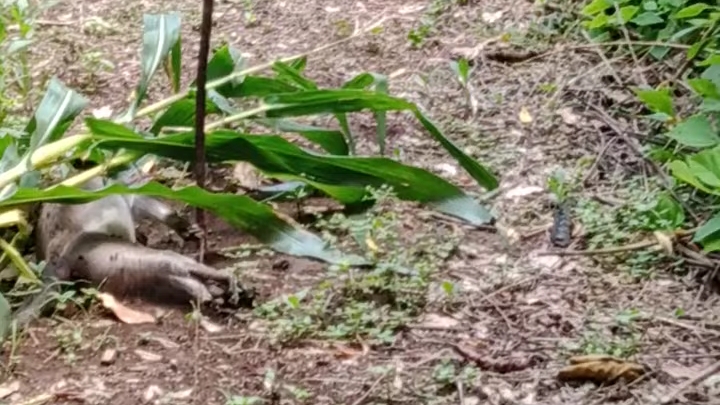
<point>96,243</point>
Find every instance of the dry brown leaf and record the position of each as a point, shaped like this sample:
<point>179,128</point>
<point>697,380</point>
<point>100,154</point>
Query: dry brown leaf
<point>148,356</point>
<point>210,327</point>
<point>525,116</point>
<point>347,353</point>
<point>123,313</point>
<point>568,116</point>
<point>665,241</point>
<point>9,388</point>
<point>246,175</point>
<point>600,369</point>
<point>437,321</point>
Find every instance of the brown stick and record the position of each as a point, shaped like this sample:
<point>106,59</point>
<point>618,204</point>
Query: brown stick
<point>200,164</point>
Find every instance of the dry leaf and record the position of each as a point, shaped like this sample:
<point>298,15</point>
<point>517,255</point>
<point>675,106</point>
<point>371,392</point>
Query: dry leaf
<point>600,369</point>
<point>349,354</point>
<point>568,116</point>
<point>124,313</point>
<point>437,321</point>
<point>522,191</point>
<point>148,356</point>
<point>9,388</point>
<point>492,17</point>
<point>152,392</point>
<point>210,327</point>
<point>184,394</point>
<point>665,241</point>
<point>525,116</point>
<point>371,244</point>
<point>246,175</point>
<point>446,168</point>
<point>102,112</point>
<point>108,357</point>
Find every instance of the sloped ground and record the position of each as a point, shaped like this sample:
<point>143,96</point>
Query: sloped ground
<point>518,315</point>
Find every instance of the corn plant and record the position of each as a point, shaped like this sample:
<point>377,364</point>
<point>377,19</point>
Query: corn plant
<point>237,96</point>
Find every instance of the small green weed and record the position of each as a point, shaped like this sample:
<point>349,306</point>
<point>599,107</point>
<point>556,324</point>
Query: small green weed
<point>69,340</point>
<point>642,212</point>
<point>622,342</point>
<point>372,303</point>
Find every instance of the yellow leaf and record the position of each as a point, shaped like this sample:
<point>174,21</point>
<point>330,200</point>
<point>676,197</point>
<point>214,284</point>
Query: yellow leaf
<point>525,116</point>
<point>371,244</point>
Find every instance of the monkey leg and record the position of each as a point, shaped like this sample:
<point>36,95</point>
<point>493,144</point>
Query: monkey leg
<point>126,269</point>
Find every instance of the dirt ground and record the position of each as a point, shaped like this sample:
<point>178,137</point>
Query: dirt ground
<point>520,313</point>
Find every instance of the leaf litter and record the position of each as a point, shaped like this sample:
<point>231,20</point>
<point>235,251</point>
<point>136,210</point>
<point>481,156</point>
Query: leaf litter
<point>523,310</point>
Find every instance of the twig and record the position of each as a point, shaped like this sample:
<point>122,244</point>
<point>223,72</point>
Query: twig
<point>599,157</point>
<point>603,251</point>
<point>568,48</point>
<point>369,390</point>
<point>714,368</point>
<point>660,172</point>
<point>200,165</point>
<point>627,41</point>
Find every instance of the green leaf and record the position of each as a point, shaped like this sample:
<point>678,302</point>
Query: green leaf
<point>381,86</point>
<point>56,112</point>
<point>331,102</point>
<point>600,21</point>
<point>225,61</point>
<point>180,114</point>
<point>713,59</point>
<point>647,18</point>
<point>650,5</point>
<point>712,73</point>
<point>161,33</point>
<point>174,65</point>
<point>627,13</point>
<point>331,140</point>
<point>289,75</point>
<point>695,131</point>
<point>110,128</point>
<point>349,100</point>
<point>656,100</point>
<point>693,50</point>
<point>361,81</point>
<point>708,235</point>
<point>705,166</point>
<point>704,88</point>
<point>482,175</point>
<point>344,178</point>
<point>681,171</point>
<point>596,7</point>
<point>710,105</point>
<point>240,211</point>
<point>299,64</point>
<point>690,11</point>
<point>462,70</point>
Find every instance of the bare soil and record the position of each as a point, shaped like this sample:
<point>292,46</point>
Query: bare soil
<point>519,314</point>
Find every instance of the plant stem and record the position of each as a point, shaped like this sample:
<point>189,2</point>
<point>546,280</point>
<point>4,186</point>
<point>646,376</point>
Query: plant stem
<point>200,165</point>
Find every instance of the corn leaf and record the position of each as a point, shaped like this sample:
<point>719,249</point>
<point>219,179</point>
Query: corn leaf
<point>57,110</point>
<point>242,212</point>
<point>161,33</point>
<point>344,178</point>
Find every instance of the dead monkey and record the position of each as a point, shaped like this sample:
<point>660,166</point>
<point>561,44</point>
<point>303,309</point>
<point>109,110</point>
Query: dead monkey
<point>96,242</point>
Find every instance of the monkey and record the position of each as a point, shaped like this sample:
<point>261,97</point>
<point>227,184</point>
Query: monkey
<point>96,243</point>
